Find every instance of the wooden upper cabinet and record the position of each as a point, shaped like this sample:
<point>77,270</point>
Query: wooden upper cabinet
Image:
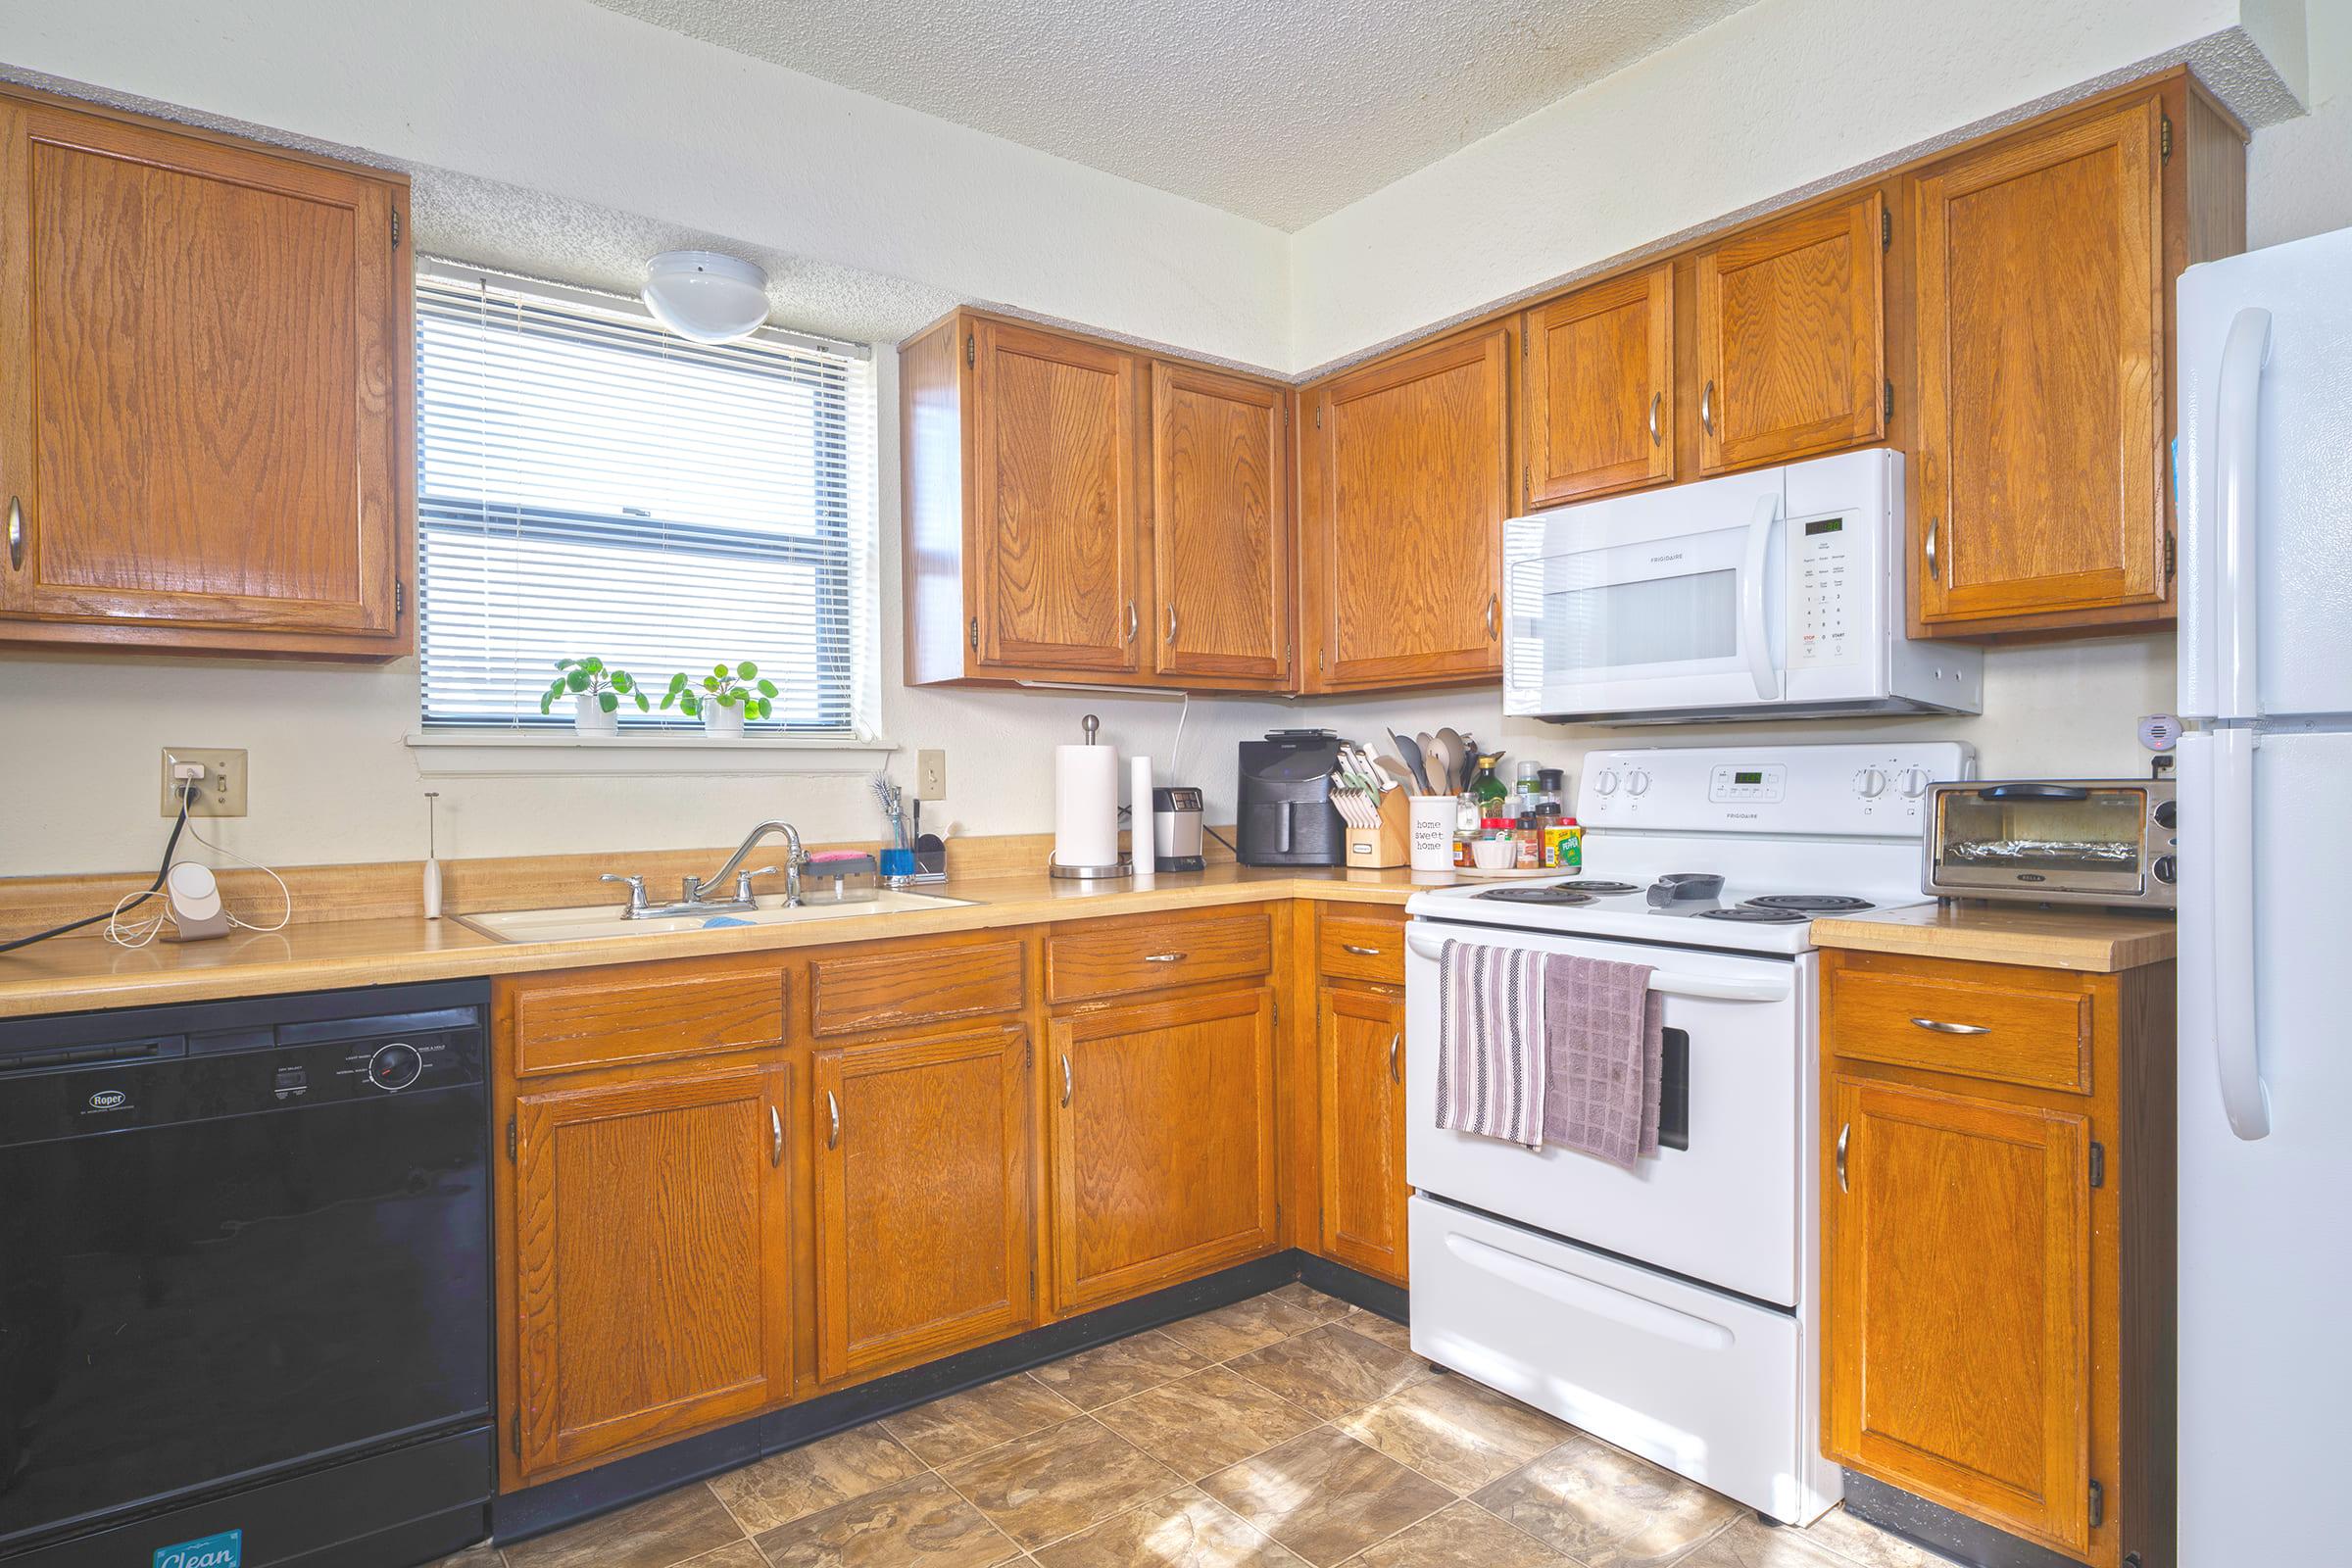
<point>1057,538</point>
<point>2041,288</point>
<point>206,442</point>
<point>1162,1142</point>
<point>1220,526</point>
<point>1360,1043</point>
<point>1406,486</point>
<point>922,1199</point>
<point>1960,1338</point>
<point>1791,356</point>
<point>652,1263</point>
<point>1599,413</point>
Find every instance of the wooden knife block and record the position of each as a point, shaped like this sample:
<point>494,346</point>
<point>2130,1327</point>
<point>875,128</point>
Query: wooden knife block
<point>1387,846</point>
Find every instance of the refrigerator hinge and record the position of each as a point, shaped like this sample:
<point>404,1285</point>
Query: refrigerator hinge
<point>1886,230</point>
<point>2098,1505</point>
<point>2098,1165</point>
<point>510,1137</point>
<point>2163,135</point>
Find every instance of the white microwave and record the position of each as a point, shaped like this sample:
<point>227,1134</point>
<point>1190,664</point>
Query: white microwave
<point>1776,593</point>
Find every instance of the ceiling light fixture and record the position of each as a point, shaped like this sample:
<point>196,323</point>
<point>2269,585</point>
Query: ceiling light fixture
<point>706,295</point>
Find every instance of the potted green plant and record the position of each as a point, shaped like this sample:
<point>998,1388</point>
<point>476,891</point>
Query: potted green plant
<point>596,690</point>
<point>722,698</point>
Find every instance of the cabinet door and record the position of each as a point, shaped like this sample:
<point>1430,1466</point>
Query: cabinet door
<point>652,1260</point>
<point>1164,1142</point>
<point>1220,526</point>
<point>1959,1301</point>
<point>1413,482</point>
<point>1361,1042</point>
<point>1600,407</point>
<point>922,1199</point>
<point>206,442</point>
<point>1791,338</point>
<point>1055,535</point>
<point>2042,492</point>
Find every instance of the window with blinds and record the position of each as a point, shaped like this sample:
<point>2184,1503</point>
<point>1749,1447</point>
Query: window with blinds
<point>590,484</point>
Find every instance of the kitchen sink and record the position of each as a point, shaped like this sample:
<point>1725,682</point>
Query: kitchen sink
<point>604,920</point>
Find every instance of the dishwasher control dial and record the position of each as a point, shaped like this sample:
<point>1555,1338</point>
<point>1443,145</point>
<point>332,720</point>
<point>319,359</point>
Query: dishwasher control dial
<point>394,1066</point>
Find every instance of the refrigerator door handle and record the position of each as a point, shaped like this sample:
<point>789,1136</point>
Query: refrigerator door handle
<point>2238,496</point>
<point>2218,937</point>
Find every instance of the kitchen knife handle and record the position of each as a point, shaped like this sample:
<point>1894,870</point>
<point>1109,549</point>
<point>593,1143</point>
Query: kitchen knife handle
<point>1844,1133</point>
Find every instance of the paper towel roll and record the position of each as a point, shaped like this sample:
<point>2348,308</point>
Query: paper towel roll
<point>1086,806</point>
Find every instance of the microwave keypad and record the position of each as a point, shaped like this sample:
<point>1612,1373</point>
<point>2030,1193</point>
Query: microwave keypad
<point>1825,587</point>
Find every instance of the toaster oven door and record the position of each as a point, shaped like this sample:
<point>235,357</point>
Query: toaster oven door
<point>2088,842</point>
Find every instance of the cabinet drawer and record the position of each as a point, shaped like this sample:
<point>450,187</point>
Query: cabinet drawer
<point>1106,961</point>
<point>887,990</point>
<point>609,1017</point>
<point>1360,947</point>
<point>1964,1025</point>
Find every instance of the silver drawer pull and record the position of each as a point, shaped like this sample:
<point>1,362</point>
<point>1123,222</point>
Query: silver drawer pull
<point>833,1107</point>
<point>1165,957</point>
<point>1065,1077</point>
<point>16,533</point>
<point>1942,1028</point>
<point>775,1137</point>
<point>1844,1133</point>
<point>1395,1041</point>
<point>1361,953</point>
<point>1655,398</point>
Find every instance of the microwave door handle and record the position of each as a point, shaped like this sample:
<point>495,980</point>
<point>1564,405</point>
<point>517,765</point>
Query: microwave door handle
<point>2237,439</point>
<point>1753,630</point>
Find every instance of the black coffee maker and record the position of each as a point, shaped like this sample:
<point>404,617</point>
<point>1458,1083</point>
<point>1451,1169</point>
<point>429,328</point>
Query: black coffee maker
<point>1286,815</point>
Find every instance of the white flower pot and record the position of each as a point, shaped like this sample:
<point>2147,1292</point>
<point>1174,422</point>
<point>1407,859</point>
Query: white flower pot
<point>722,718</point>
<point>588,715</point>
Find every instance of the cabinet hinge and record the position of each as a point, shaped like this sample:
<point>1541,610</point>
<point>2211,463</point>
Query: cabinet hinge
<point>2171,560</point>
<point>1318,415</point>
<point>967,350</point>
<point>2163,135</point>
<point>1277,1012</point>
<point>1891,400</point>
<point>400,597</point>
<point>973,635</point>
<point>1886,230</point>
<point>510,1137</point>
<point>2098,1505</point>
<point>2098,1165</point>
<point>396,228</point>
<point>515,1433</point>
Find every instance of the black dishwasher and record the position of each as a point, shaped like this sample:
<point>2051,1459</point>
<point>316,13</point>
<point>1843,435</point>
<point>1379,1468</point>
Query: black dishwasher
<point>244,1283</point>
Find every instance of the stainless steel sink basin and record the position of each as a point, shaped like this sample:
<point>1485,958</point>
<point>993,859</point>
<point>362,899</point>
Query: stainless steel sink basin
<point>604,920</point>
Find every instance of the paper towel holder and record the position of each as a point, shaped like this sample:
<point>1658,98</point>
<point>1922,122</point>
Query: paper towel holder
<point>1123,866</point>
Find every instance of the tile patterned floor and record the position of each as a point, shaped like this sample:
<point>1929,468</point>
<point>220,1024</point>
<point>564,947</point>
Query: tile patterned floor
<point>1288,1431</point>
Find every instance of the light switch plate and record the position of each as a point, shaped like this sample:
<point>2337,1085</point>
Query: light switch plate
<point>221,790</point>
<point>931,775</point>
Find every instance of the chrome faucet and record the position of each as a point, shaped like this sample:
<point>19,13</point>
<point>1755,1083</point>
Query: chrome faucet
<point>692,897</point>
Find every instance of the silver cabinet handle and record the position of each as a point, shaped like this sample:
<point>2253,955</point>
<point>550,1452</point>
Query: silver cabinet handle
<point>16,533</point>
<point>1706,406</point>
<point>1165,957</point>
<point>1171,626</point>
<point>1065,1077</point>
<point>1493,604</point>
<point>1934,567</point>
<point>1844,1133</point>
<point>1655,439</point>
<point>1942,1028</point>
<point>833,1107</point>
<point>1131,620</point>
<point>1395,1043</point>
<point>775,1137</point>
<point>1361,953</point>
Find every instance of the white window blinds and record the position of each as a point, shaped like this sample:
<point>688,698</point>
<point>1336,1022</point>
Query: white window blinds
<point>589,483</point>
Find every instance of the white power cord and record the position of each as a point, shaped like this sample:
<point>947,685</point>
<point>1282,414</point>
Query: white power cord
<point>286,912</point>
<point>140,934</point>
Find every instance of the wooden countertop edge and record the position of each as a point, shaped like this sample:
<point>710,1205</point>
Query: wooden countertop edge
<point>2088,942</point>
<point>82,974</point>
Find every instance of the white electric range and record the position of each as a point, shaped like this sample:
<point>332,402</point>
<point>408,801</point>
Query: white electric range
<point>1672,1310</point>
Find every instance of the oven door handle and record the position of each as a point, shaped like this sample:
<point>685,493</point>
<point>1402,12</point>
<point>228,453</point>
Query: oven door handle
<point>1666,982</point>
<point>1754,631</point>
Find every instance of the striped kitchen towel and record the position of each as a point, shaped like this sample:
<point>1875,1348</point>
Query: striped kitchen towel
<point>1490,1053</point>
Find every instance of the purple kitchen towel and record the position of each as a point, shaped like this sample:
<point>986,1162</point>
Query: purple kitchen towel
<point>1490,1042</point>
<point>1604,1054</point>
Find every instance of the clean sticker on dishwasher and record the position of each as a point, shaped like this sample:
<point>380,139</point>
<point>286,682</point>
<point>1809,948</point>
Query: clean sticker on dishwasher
<point>223,1550</point>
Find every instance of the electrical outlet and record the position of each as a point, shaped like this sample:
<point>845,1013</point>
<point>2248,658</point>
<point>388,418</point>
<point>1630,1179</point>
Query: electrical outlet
<point>219,789</point>
<point>930,776</point>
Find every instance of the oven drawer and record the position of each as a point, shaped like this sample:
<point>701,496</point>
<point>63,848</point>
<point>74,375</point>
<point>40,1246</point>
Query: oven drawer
<point>1703,1383</point>
<point>1969,1020</point>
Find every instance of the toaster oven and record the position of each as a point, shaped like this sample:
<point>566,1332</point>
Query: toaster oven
<point>2053,841</point>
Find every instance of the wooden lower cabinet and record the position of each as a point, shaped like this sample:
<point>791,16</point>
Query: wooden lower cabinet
<point>1162,1141</point>
<point>651,1251</point>
<point>1360,1099</point>
<point>923,1237</point>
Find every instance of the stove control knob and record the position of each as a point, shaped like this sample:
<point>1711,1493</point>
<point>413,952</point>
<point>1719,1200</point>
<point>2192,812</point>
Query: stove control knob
<point>2168,815</point>
<point>1605,781</point>
<point>2167,870</point>
<point>394,1066</point>
<point>1915,783</point>
<point>1870,783</point>
<point>1636,782</point>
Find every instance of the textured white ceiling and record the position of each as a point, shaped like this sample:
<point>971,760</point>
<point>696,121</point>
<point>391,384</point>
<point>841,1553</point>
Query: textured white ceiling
<point>1279,113</point>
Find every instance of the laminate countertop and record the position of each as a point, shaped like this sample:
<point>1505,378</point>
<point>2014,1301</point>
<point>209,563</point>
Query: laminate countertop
<point>2085,939</point>
<point>81,973</point>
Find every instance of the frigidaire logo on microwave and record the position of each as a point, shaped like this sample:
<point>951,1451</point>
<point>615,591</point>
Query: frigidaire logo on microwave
<point>1675,556</point>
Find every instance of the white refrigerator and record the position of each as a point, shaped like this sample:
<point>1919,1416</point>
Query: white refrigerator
<point>2264,487</point>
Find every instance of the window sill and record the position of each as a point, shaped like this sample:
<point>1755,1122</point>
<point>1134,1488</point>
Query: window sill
<point>548,754</point>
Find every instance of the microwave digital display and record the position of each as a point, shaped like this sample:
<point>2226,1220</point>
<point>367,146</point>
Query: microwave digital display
<point>1824,525</point>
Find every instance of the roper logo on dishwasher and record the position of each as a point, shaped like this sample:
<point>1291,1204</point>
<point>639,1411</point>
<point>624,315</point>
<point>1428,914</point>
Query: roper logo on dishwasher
<point>108,1100</point>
